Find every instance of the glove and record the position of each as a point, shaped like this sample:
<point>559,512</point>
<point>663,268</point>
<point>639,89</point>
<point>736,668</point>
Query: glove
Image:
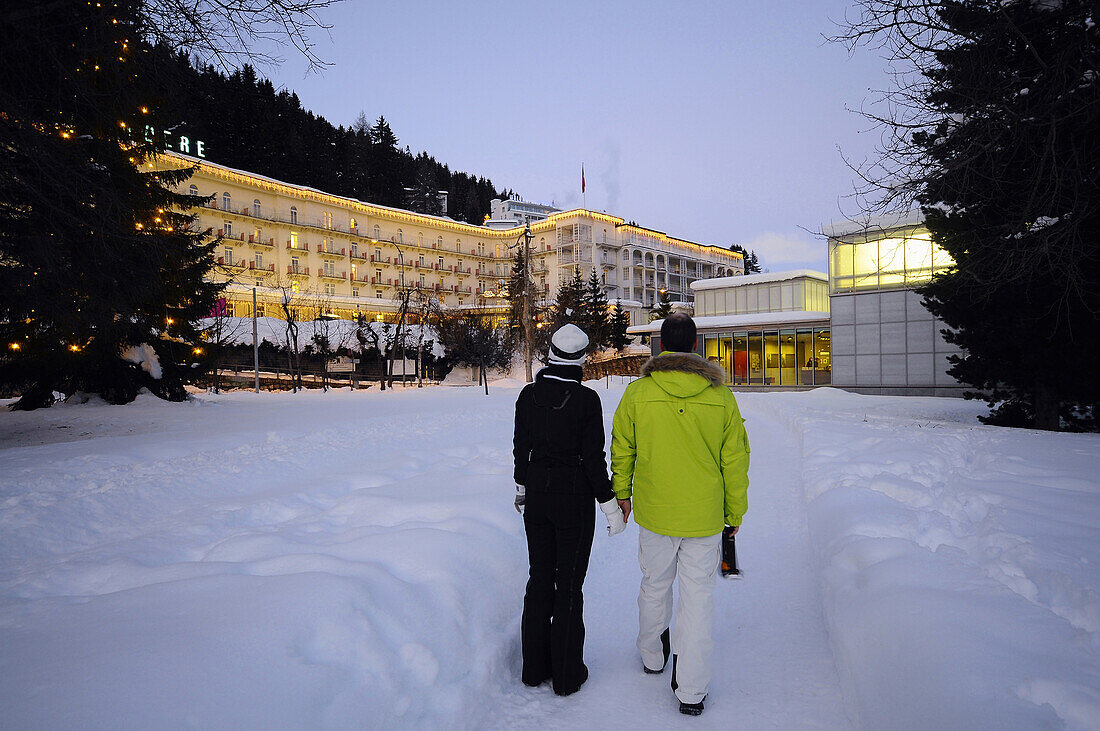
<point>521,498</point>
<point>615,522</point>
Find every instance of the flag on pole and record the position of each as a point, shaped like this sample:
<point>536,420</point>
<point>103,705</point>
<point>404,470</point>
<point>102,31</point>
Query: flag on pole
<point>582,177</point>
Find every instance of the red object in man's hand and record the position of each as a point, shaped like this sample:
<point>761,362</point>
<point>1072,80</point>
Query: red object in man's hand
<point>730,569</point>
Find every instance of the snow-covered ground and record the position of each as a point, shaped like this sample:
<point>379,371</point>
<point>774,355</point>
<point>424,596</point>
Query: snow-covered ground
<point>352,560</point>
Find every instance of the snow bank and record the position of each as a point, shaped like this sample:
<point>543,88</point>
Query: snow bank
<point>959,566</point>
<point>252,562</point>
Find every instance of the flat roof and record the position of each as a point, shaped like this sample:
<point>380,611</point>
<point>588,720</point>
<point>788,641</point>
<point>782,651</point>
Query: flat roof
<point>868,224</point>
<point>794,317</point>
<point>744,279</point>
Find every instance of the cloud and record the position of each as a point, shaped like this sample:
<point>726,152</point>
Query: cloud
<point>778,252</point>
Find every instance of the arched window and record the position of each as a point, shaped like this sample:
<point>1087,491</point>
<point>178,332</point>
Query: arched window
<point>400,237</point>
<point>256,208</point>
<point>226,201</point>
<point>420,239</point>
<point>377,232</point>
<point>294,214</point>
<point>194,190</point>
<point>439,242</point>
<point>352,224</point>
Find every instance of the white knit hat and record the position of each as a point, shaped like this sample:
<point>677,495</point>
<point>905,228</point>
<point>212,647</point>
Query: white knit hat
<point>568,345</point>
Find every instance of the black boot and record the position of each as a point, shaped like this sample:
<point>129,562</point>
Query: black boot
<point>666,647</point>
<point>692,709</point>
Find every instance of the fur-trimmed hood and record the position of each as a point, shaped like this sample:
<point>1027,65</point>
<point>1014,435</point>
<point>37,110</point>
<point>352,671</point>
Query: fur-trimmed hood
<point>688,363</point>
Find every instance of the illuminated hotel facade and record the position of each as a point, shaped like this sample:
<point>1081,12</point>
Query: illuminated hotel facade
<point>343,257</point>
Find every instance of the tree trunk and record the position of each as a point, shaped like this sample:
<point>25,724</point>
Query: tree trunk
<point>1047,405</point>
<point>485,378</point>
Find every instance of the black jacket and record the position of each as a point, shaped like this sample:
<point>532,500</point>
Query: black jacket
<point>558,443</point>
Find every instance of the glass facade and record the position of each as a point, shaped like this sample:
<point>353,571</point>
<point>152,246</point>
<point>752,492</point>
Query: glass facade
<point>785,357</point>
<point>902,259</point>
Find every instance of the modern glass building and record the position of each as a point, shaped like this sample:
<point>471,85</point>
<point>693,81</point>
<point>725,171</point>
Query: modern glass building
<point>861,327</point>
<point>766,330</point>
<point>885,341</point>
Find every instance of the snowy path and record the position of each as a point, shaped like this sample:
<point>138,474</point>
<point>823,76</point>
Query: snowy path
<point>773,667</point>
<point>351,560</point>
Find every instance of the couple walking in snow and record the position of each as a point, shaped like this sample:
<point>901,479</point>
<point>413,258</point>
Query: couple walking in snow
<point>679,459</point>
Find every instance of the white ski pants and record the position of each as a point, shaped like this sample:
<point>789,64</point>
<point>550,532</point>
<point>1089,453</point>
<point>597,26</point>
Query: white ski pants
<point>695,561</point>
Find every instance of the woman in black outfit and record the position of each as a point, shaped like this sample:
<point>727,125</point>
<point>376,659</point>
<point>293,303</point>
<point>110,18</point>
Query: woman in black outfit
<point>560,467</point>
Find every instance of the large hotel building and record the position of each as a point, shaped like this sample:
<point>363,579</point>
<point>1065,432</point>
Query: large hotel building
<point>345,257</point>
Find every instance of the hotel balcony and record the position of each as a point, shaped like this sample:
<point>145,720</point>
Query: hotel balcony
<point>239,264</point>
<point>297,271</point>
<point>330,251</point>
<point>331,274</point>
<point>300,246</point>
<point>262,269</point>
<point>572,257</point>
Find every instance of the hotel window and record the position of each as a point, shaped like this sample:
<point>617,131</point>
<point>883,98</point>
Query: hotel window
<point>295,288</point>
<point>420,239</point>
<point>193,190</point>
<point>354,269</point>
<point>377,232</point>
<point>354,249</point>
<point>441,284</point>
<point>330,289</point>
<point>458,267</point>
<point>354,292</point>
<point>326,219</point>
<point>227,229</point>
<point>259,259</point>
<point>228,256</point>
<point>378,275</point>
<point>439,242</point>
<point>400,236</point>
<point>261,309</point>
<point>352,225</point>
<point>226,201</point>
<point>421,260</point>
<point>294,265</point>
<point>421,280</point>
<point>330,269</point>
<point>294,214</point>
<point>256,208</point>
<point>294,241</point>
<point>440,262</point>
<point>378,254</point>
<point>378,293</point>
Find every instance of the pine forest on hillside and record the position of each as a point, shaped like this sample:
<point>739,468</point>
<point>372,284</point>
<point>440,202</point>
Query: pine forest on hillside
<point>236,114</point>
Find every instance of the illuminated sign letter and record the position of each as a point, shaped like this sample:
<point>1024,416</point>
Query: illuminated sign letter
<point>199,148</point>
<point>185,145</point>
<point>150,133</point>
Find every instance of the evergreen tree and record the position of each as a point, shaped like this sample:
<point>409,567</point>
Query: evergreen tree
<point>999,146</point>
<point>423,197</point>
<point>386,186</point>
<point>752,264</point>
<point>619,322</point>
<point>567,306</point>
<point>594,317</point>
<point>662,309</point>
<point>101,279</point>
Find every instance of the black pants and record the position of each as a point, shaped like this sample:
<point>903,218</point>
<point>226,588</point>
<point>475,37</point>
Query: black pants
<point>559,540</point>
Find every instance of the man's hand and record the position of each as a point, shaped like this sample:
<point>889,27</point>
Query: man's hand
<point>521,498</point>
<point>732,529</point>
<point>624,506</point>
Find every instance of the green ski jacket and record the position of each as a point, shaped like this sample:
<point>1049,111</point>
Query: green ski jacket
<point>679,448</point>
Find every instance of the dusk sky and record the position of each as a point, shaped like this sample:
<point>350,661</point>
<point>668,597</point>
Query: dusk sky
<point>718,122</point>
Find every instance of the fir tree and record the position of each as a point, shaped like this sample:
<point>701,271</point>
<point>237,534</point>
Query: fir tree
<point>98,269</point>
<point>662,309</point>
<point>567,306</point>
<point>423,197</point>
<point>617,325</point>
<point>594,316</point>
<point>752,264</point>
<point>998,143</point>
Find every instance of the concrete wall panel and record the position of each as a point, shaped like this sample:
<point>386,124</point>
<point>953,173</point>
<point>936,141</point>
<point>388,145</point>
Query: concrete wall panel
<point>868,370</point>
<point>892,306</point>
<point>867,309</point>
<point>867,338</point>
<point>918,336</point>
<point>842,310</point>
<point>893,370</point>
<point>893,337</point>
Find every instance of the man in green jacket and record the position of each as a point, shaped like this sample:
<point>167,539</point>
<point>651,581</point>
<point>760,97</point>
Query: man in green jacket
<point>680,461</point>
